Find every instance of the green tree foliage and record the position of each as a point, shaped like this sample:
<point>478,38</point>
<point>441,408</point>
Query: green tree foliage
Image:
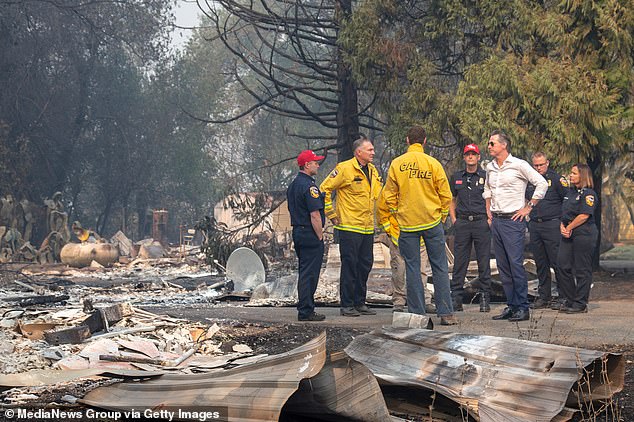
<point>72,80</point>
<point>566,89</point>
<point>556,75</point>
<point>49,54</point>
<point>414,54</point>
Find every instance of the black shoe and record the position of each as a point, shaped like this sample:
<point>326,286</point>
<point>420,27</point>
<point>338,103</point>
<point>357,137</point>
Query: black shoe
<point>364,310</point>
<point>556,305</point>
<point>485,298</point>
<point>520,315</point>
<point>457,304</point>
<point>540,304</point>
<point>506,314</point>
<point>349,311</point>
<point>573,310</point>
<point>312,317</point>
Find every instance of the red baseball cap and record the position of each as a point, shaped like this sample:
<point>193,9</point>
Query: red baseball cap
<point>471,148</point>
<point>307,156</point>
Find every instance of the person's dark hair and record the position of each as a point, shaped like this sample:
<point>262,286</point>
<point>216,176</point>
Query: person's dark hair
<point>503,138</point>
<point>585,175</point>
<point>360,141</point>
<point>416,135</point>
<point>301,167</point>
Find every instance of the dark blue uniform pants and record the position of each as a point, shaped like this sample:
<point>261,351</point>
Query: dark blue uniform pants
<point>357,257</point>
<point>575,262</point>
<point>478,234</point>
<point>508,241</point>
<point>310,253</point>
<point>545,238</point>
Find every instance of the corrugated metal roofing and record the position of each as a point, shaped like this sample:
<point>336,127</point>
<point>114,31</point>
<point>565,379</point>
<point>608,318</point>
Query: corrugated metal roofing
<point>496,379</point>
<point>343,389</point>
<point>254,392</point>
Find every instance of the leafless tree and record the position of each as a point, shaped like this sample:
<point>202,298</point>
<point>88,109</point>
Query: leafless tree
<point>289,60</point>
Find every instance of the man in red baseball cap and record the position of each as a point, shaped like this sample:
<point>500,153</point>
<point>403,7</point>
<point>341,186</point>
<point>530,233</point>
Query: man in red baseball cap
<point>469,217</point>
<point>306,157</point>
<point>471,148</point>
<point>306,207</point>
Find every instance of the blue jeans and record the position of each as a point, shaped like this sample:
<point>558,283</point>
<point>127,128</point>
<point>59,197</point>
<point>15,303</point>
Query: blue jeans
<point>409,245</point>
<point>508,243</point>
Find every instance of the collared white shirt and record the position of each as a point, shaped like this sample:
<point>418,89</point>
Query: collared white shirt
<point>506,184</point>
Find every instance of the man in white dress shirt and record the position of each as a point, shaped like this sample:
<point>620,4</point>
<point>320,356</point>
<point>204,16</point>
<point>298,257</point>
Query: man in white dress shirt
<point>507,209</point>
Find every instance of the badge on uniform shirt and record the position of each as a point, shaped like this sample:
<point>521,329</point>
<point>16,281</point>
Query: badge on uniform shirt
<point>458,181</point>
<point>563,182</point>
<point>590,200</point>
<point>314,192</point>
<point>550,183</point>
<point>334,173</point>
<point>481,181</point>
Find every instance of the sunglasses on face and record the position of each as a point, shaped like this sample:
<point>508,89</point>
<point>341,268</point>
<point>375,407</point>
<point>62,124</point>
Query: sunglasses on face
<point>491,144</point>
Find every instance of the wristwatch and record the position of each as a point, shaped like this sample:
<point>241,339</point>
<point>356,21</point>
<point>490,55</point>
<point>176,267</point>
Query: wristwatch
<point>531,204</point>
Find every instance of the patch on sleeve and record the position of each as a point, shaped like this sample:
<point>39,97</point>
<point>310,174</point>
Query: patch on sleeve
<point>314,192</point>
<point>563,182</point>
<point>334,173</point>
<point>590,200</point>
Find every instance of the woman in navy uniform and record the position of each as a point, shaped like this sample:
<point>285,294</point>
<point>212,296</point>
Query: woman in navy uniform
<point>579,239</point>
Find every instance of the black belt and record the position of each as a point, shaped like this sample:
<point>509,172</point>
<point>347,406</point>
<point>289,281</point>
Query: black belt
<point>503,215</point>
<point>543,220</point>
<point>475,217</point>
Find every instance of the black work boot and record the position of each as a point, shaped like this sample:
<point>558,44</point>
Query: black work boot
<point>541,303</point>
<point>485,298</point>
<point>457,304</point>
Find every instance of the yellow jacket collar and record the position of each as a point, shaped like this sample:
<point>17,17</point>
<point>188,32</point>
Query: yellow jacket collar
<point>357,165</point>
<point>415,148</point>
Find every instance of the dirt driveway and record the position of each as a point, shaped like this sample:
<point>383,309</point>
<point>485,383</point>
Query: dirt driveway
<point>608,326</point>
<point>609,322</point>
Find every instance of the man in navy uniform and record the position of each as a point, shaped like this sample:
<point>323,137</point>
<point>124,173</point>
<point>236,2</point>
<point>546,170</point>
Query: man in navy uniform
<point>306,206</point>
<point>469,216</point>
<point>543,228</point>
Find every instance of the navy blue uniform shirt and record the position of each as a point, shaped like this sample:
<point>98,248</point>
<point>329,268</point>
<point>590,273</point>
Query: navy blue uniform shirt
<point>549,208</point>
<point>579,201</point>
<point>303,197</point>
<point>467,188</point>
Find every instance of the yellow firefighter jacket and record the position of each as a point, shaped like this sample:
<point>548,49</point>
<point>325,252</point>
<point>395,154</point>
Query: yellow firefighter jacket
<point>416,192</point>
<point>355,196</point>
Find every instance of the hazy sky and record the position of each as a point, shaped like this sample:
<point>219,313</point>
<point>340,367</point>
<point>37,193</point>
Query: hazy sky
<point>186,13</point>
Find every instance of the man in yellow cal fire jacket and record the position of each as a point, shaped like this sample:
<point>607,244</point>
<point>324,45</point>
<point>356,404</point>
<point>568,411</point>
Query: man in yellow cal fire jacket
<point>357,185</point>
<point>417,194</point>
